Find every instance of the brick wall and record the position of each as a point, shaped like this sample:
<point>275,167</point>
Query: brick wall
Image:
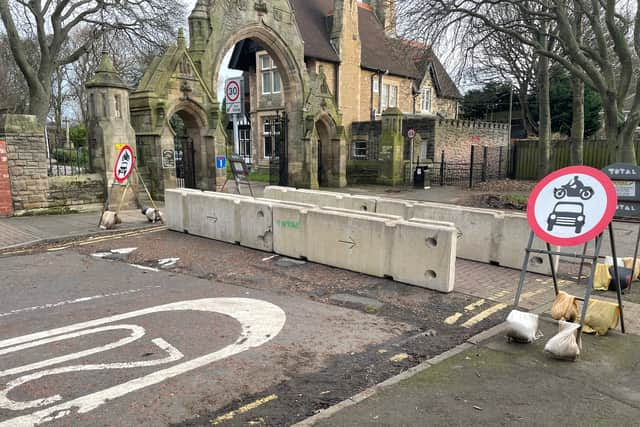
<point>6,204</point>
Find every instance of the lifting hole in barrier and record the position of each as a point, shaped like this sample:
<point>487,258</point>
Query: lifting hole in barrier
<point>432,242</point>
<point>260,214</point>
<point>430,274</point>
<point>363,208</point>
<point>536,260</point>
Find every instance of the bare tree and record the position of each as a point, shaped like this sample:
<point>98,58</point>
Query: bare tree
<point>499,57</point>
<point>52,22</point>
<point>602,58</point>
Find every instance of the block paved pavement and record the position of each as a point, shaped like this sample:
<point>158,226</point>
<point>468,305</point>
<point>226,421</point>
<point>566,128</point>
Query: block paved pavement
<point>24,230</point>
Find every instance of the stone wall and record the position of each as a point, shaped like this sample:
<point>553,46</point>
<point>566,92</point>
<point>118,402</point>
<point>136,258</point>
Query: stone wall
<point>455,137</point>
<point>27,166</point>
<point>80,190</point>
<point>6,205</point>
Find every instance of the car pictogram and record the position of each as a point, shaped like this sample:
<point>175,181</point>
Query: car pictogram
<point>567,214</point>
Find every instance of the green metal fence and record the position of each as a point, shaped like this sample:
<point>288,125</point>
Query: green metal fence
<point>525,156</point>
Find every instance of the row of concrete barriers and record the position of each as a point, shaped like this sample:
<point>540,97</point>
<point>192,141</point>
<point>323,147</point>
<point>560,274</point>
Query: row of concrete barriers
<point>484,235</point>
<point>417,251</point>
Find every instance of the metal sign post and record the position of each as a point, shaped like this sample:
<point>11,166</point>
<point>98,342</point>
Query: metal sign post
<point>234,99</point>
<point>570,207</point>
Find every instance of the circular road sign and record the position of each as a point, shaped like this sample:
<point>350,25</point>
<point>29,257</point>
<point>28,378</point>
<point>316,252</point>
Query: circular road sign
<point>571,206</point>
<point>232,91</point>
<point>124,164</point>
<point>411,133</point>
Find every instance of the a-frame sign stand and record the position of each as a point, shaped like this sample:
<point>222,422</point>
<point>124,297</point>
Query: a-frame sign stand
<point>124,167</point>
<point>583,256</point>
<point>567,208</point>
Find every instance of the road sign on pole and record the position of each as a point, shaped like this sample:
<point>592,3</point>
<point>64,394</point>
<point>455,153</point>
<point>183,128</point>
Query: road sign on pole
<point>233,95</point>
<point>572,205</point>
<point>124,164</point>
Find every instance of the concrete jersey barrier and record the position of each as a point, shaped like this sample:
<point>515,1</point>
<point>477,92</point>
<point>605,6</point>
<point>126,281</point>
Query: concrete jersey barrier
<point>418,252</point>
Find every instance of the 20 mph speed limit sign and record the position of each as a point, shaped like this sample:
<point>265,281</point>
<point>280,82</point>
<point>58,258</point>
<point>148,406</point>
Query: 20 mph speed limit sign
<point>233,95</point>
<point>571,206</point>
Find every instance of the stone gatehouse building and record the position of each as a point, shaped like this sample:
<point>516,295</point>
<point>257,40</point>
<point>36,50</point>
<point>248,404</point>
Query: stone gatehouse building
<point>326,64</point>
<point>367,69</point>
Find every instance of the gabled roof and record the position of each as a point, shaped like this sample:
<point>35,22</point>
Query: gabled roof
<point>379,51</point>
<point>401,57</point>
<point>312,18</point>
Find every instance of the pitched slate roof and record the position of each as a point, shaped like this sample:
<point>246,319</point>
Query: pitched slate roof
<point>379,52</point>
<point>311,16</point>
<point>401,57</point>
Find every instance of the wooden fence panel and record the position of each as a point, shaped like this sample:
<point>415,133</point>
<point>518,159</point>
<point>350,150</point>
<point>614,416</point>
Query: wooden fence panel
<point>595,154</point>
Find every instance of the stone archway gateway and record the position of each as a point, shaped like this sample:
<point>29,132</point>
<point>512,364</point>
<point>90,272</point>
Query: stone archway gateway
<point>183,81</point>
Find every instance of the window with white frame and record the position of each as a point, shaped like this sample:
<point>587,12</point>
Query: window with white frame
<point>393,96</point>
<point>376,85</point>
<point>389,97</point>
<point>360,149</point>
<point>270,75</point>
<point>271,137</point>
<point>426,100</point>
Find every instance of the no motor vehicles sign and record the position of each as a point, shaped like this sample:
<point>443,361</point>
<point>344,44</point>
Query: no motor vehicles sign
<point>571,206</point>
<point>124,164</point>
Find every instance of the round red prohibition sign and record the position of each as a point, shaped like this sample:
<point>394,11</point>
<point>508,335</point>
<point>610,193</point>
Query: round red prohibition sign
<point>571,206</point>
<point>124,164</point>
<point>232,90</point>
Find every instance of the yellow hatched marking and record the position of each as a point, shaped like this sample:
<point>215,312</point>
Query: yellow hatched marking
<point>475,305</point>
<point>453,319</point>
<point>243,409</point>
<point>483,315</point>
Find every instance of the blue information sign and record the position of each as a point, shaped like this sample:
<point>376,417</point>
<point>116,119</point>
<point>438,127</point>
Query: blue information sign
<point>221,162</point>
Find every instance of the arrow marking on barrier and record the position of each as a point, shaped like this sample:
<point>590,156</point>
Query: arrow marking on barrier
<point>352,243</point>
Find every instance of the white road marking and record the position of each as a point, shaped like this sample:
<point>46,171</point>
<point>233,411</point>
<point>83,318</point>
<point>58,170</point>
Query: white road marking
<point>76,301</point>
<point>123,251</point>
<point>7,403</point>
<point>164,261</point>
<point>145,268</point>
<point>261,321</point>
<point>269,258</point>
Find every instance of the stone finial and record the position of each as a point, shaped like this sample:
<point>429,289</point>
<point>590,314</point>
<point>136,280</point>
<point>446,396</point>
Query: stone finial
<point>181,40</point>
<point>106,75</point>
<point>200,10</point>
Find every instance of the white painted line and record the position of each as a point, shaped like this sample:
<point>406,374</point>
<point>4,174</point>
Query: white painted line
<point>260,321</point>
<point>101,254</point>
<point>123,251</point>
<point>164,261</point>
<point>12,405</point>
<point>145,268</point>
<point>269,258</point>
<point>75,301</point>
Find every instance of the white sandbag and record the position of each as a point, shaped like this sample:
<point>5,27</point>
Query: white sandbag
<point>109,219</point>
<point>564,345</point>
<point>522,326</point>
<point>609,261</point>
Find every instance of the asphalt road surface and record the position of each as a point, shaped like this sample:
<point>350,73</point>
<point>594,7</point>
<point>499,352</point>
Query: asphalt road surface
<point>184,330</point>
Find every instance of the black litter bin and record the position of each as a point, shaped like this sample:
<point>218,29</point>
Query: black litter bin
<point>419,176</point>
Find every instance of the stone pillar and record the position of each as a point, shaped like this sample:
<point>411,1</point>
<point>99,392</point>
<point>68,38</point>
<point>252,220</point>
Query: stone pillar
<point>26,154</point>
<point>390,148</point>
<point>109,126</point>
<point>6,203</point>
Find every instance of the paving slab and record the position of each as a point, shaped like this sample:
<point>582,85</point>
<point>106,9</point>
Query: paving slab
<point>496,383</point>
